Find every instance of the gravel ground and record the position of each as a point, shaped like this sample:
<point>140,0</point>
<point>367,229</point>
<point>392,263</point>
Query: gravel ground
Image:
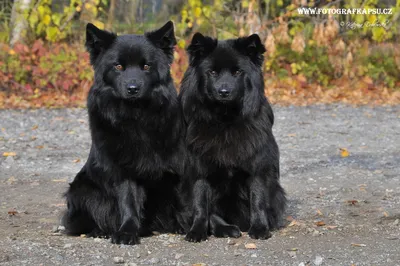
<point>342,210</point>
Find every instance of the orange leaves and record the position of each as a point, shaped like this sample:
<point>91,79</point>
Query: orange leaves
<point>9,154</point>
<point>59,75</point>
<point>320,223</point>
<point>344,152</point>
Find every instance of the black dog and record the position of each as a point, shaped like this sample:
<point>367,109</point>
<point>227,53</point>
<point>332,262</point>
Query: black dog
<point>128,185</point>
<point>234,184</point>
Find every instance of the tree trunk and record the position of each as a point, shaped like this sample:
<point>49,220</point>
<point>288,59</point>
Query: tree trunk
<point>18,22</point>
<point>111,13</point>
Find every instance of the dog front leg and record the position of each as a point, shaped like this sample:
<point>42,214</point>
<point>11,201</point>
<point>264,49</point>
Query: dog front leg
<point>130,202</point>
<point>199,230</point>
<point>259,228</point>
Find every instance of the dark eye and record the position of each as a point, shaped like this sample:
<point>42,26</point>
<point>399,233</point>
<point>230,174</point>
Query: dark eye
<point>237,72</point>
<point>119,67</point>
<point>146,67</point>
<point>213,72</point>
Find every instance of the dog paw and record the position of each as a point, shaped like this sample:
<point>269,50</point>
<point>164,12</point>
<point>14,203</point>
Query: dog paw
<point>97,233</point>
<point>227,231</point>
<point>259,232</point>
<point>125,238</point>
<point>196,236</point>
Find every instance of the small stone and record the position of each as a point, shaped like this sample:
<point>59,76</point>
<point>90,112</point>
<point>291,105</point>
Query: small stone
<point>178,256</point>
<point>54,229</point>
<point>315,233</point>
<point>67,245</point>
<point>61,228</point>
<point>302,264</point>
<point>138,255</point>
<point>318,260</point>
<point>396,222</point>
<point>97,239</point>
<point>292,254</point>
<point>154,260</point>
<point>254,255</point>
<point>130,264</point>
<point>118,260</point>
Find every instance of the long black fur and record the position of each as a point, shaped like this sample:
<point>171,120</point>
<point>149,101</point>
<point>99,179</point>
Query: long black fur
<point>233,184</point>
<point>128,186</point>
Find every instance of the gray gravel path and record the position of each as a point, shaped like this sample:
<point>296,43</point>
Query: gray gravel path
<point>345,210</point>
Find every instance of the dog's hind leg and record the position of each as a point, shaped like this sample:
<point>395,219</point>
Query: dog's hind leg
<point>220,228</point>
<point>89,211</point>
<point>131,198</point>
<point>277,204</point>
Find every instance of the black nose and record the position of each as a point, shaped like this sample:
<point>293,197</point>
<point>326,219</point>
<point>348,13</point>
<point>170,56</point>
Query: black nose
<point>224,92</point>
<point>133,89</point>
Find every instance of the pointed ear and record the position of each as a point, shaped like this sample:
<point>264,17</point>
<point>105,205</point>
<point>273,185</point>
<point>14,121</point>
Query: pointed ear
<point>201,46</point>
<point>164,37</point>
<point>252,47</point>
<point>97,41</point>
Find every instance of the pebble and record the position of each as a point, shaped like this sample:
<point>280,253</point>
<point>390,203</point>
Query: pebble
<point>130,264</point>
<point>302,264</point>
<point>292,254</point>
<point>67,245</point>
<point>315,233</point>
<point>154,260</point>
<point>97,239</point>
<point>254,255</point>
<point>396,222</point>
<point>118,260</point>
<point>318,260</point>
<point>61,228</point>
<point>178,256</point>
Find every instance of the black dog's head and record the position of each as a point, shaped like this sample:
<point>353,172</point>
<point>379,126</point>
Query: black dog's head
<point>130,66</point>
<point>230,70</point>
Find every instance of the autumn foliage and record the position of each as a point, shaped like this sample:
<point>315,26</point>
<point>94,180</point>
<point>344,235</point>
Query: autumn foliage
<point>58,75</point>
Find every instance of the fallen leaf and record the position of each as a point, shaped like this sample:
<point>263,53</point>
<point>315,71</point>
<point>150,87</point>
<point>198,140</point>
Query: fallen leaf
<point>11,153</point>
<point>77,160</point>
<point>292,135</point>
<point>352,202</point>
<point>39,147</point>
<point>293,249</point>
<point>59,180</point>
<point>331,227</point>
<point>11,180</point>
<point>289,218</point>
<point>358,245</point>
<point>250,246</point>
<point>386,214</point>
<point>83,235</point>
<point>12,212</point>
<point>58,205</point>
<point>320,223</point>
<point>344,152</point>
<point>320,213</point>
<point>293,223</point>
<point>199,264</point>
<point>33,138</point>
<point>35,127</point>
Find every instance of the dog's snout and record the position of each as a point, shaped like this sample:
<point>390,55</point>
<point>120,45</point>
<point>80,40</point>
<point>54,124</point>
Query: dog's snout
<point>224,91</point>
<point>133,89</point>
